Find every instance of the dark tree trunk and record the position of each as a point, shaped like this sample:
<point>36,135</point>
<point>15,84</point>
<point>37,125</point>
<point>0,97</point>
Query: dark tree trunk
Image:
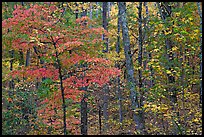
<point>99,118</point>
<point>21,58</point>
<point>77,14</point>
<point>84,117</point>
<point>11,83</point>
<point>105,25</point>
<point>141,112</point>
<point>27,58</point>
<point>105,107</point>
<point>62,89</point>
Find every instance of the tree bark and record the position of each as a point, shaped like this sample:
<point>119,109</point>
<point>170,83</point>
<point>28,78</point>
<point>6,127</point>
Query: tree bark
<point>84,118</point>
<point>200,14</point>
<point>105,107</point>
<point>140,38</point>
<point>99,118</point>
<point>11,83</point>
<point>21,62</point>
<point>76,14</point>
<point>105,25</point>
<point>118,77</point>
<point>27,58</point>
<point>129,66</point>
<point>62,89</point>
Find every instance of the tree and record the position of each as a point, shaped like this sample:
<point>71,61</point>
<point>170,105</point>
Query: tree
<point>105,24</point>
<point>60,77</point>
<point>129,66</point>
<point>43,35</point>
<point>118,66</point>
<point>200,14</point>
<point>141,91</point>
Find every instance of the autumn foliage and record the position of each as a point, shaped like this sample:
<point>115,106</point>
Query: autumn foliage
<point>53,59</point>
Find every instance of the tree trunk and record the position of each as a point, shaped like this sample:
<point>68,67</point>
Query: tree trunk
<point>62,89</point>
<point>141,112</point>
<point>84,118</point>
<point>129,66</point>
<point>99,118</point>
<point>200,14</point>
<point>118,77</point>
<point>11,83</point>
<point>105,25</point>
<point>76,14</point>
<point>105,107</point>
<point>27,58</point>
<point>21,62</point>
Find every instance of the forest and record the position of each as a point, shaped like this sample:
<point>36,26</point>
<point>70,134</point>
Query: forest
<point>101,68</point>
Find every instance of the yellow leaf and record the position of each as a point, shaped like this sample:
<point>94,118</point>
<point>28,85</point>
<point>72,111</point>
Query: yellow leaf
<point>168,72</point>
<point>174,48</point>
<point>196,120</point>
<point>145,105</point>
<point>190,18</point>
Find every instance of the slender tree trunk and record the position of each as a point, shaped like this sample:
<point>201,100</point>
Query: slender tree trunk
<point>105,107</point>
<point>11,83</point>
<point>141,112</point>
<point>129,66</point>
<point>76,14</point>
<point>62,89</point>
<point>84,118</point>
<point>27,58</point>
<point>105,88</point>
<point>200,14</point>
<point>99,118</point>
<point>118,77</point>
<point>182,76</point>
<point>21,62</point>
<point>105,25</point>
